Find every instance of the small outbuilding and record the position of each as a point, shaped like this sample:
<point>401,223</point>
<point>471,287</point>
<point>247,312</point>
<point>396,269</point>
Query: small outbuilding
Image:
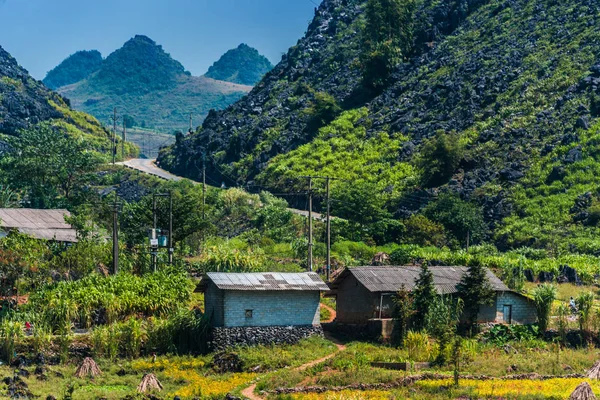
<point>40,224</point>
<point>366,293</point>
<point>262,299</point>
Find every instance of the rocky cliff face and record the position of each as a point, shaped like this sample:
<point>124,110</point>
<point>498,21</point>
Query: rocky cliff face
<point>23,100</point>
<point>515,81</point>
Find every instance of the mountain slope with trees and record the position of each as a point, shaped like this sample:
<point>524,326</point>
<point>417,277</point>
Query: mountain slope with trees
<point>494,102</point>
<point>149,86</point>
<point>74,68</point>
<point>243,65</point>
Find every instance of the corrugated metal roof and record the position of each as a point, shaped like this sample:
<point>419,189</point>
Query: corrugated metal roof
<point>41,224</point>
<point>265,281</point>
<point>33,219</point>
<point>391,279</point>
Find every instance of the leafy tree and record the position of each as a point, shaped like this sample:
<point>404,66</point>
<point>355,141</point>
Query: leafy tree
<point>48,164</point>
<point>442,323</point>
<point>129,121</point>
<point>424,295</point>
<point>359,202</point>
<point>475,290</point>
<point>403,312</point>
<point>422,231</point>
<point>543,297</point>
<point>324,109</point>
<point>387,38</point>
<point>440,156</point>
<point>8,197</point>
<point>459,217</point>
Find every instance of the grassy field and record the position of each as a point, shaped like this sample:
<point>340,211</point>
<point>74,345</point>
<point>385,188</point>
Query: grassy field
<point>186,377</point>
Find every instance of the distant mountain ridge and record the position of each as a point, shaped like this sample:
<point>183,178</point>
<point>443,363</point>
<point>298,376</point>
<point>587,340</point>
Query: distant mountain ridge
<point>243,65</point>
<point>144,82</point>
<point>74,68</point>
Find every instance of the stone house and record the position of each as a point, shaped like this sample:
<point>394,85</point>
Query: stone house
<point>262,308</point>
<point>365,294</point>
<point>262,299</point>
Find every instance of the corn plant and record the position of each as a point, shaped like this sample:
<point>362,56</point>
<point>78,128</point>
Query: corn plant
<point>42,337</point>
<point>585,302</point>
<point>10,334</point>
<point>132,337</point>
<point>418,346</point>
<point>543,296</point>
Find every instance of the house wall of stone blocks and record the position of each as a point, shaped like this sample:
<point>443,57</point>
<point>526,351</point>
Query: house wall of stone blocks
<point>245,308</point>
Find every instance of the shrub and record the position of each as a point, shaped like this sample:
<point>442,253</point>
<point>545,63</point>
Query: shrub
<point>420,230</point>
<point>543,296</point>
<point>418,346</point>
<point>440,156</point>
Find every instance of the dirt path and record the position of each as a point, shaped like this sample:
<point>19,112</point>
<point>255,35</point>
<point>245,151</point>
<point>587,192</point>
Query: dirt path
<point>332,313</point>
<point>249,391</point>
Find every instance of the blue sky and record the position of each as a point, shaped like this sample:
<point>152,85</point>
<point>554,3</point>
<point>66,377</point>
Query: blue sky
<point>41,33</point>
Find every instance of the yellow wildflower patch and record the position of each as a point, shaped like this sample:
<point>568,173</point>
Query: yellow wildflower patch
<point>199,385</point>
<point>552,388</point>
<point>345,395</point>
<point>164,363</point>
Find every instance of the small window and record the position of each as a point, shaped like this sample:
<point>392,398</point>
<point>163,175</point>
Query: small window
<point>248,313</point>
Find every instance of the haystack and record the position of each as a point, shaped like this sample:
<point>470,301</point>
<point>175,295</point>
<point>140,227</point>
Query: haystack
<point>148,383</point>
<point>594,372</point>
<point>583,392</point>
<point>88,368</point>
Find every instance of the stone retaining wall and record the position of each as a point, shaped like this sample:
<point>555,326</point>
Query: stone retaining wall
<point>223,338</point>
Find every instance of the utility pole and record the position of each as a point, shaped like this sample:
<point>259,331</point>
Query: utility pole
<point>123,139</point>
<point>115,268</point>
<point>191,124</point>
<point>468,240</point>
<point>114,138</point>
<point>203,185</point>
<point>171,228</point>
<point>328,232</point>
<point>154,250</point>
<point>310,225</point>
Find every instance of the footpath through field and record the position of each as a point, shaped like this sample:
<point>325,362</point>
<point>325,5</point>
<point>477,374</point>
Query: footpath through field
<point>148,166</point>
<point>249,391</point>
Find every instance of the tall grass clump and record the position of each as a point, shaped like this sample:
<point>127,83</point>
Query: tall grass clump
<point>543,297</point>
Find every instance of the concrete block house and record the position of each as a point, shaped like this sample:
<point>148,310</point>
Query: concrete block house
<point>365,294</point>
<point>252,308</point>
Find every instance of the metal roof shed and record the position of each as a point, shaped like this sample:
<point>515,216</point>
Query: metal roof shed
<point>262,299</point>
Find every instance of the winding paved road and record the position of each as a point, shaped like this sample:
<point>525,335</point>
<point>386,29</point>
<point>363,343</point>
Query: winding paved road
<point>148,166</point>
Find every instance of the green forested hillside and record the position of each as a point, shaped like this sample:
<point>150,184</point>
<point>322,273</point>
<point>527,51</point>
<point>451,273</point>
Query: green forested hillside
<point>494,102</point>
<point>74,68</point>
<point>243,65</point>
